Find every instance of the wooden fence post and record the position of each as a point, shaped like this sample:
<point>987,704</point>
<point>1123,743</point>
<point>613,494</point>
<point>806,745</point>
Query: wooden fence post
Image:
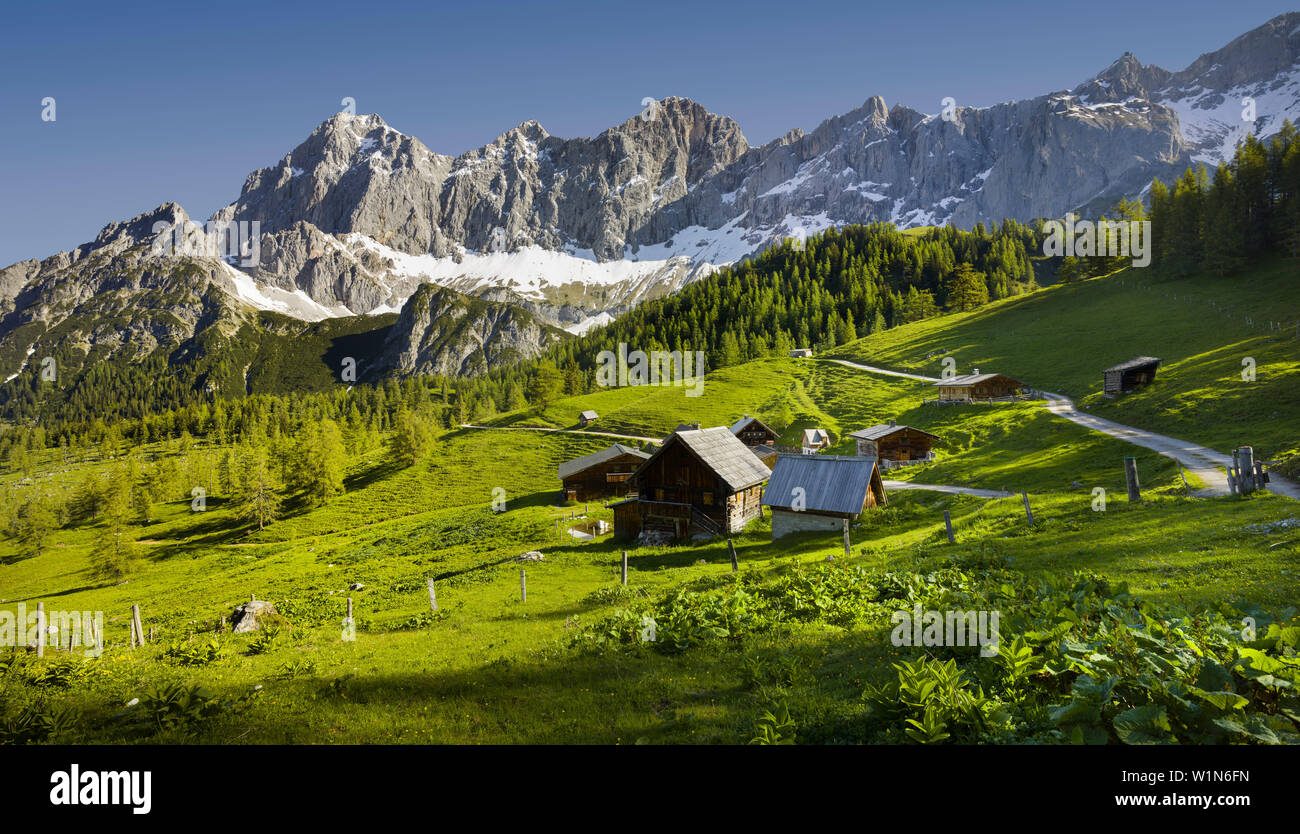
<point>40,629</point>
<point>1029,514</point>
<point>1131,478</point>
<point>135,625</point>
<point>625,568</point>
<point>523,586</point>
<point>433,596</point>
<point>1186,488</point>
<point>731,549</point>
<point>349,609</point>
<point>947,522</point>
<point>846,538</point>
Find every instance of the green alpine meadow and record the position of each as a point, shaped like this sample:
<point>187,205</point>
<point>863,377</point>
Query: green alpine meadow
<point>973,427</point>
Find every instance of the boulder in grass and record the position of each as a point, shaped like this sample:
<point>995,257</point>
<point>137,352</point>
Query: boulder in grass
<point>254,616</point>
<point>356,586</point>
<point>530,556</point>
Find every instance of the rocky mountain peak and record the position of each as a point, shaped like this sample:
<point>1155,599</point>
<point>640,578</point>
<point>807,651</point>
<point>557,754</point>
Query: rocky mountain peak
<point>138,231</point>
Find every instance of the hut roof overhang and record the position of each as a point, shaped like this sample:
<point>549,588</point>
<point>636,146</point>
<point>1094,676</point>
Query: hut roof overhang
<point>885,430</point>
<point>972,379</point>
<point>1132,364</point>
<point>572,467</point>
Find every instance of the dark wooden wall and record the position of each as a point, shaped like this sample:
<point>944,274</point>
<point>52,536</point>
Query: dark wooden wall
<point>604,480</point>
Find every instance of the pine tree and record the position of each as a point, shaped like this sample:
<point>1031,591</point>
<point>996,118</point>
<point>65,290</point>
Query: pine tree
<point>33,523</point>
<point>409,440</point>
<point>258,501</point>
<point>113,551</point>
<point>966,288</point>
<point>326,460</point>
<point>545,386</point>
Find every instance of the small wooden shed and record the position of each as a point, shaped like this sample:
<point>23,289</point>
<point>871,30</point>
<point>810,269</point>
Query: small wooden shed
<point>977,386</point>
<point>1126,376</point>
<point>821,492</point>
<point>586,418</point>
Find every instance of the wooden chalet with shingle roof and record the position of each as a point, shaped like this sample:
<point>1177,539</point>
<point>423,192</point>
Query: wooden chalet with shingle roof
<point>1126,376</point>
<point>894,443</point>
<point>821,492</point>
<point>700,480</point>
<point>754,432</point>
<point>602,474</point>
<point>586,418</point>
<point>977,386</point>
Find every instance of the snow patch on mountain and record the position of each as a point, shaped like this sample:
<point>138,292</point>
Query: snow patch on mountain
<point>273,299</point>
<point>1213,122</point>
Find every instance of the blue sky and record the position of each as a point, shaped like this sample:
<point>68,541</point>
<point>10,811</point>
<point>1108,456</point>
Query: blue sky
<point>170,101</point>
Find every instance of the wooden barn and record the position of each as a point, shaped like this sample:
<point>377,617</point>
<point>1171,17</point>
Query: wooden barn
<point>894,443</point>
<point>603,474</point>
<point>1126,376</point>
<point>586,418</point>
<point>821,492</point>
<point>801,353</point>
<point>702,480</point>
<point>814,440</point>
<point>977,386</point>
<point>754,432</point>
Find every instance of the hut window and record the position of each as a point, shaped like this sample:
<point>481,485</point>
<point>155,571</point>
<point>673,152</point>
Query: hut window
<point>707,498</point>
<point>659,495</point>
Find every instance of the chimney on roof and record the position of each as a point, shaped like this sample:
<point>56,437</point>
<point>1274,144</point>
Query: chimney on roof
<point>893,423</point>
<point>976,371</point>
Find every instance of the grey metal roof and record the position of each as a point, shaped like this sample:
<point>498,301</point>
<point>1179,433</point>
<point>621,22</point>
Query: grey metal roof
<point>573,467</point>
<point>830,483</point>
<point>970,379</point>
<point>720,450</point>
<point>746,420</point>
<point>884,430</point>
<point>1133,363</point>
<point>588,415</point>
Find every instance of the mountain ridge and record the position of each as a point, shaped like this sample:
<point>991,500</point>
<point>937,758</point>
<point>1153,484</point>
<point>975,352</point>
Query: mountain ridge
<point>568,233</point>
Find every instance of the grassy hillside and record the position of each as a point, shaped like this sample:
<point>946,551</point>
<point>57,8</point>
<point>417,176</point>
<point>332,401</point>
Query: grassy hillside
<point>490,668</point>
<point>802,631</point>
<point>1061,338</point>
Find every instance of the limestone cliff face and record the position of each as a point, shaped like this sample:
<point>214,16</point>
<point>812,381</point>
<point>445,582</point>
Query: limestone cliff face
<point>670,193</point>
<point>440,331</point>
